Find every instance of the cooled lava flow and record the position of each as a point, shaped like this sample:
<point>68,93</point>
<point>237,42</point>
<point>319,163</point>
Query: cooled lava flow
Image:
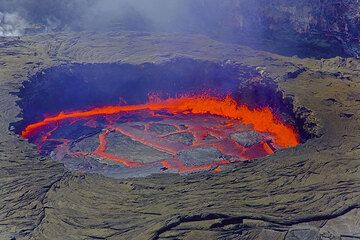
<point>210,125</point>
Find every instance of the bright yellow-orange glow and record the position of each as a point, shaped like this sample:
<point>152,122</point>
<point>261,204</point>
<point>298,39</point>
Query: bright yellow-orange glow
<point>263,120</point>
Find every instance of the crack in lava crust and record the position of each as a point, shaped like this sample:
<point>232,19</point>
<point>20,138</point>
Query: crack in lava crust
<point>200,117</point>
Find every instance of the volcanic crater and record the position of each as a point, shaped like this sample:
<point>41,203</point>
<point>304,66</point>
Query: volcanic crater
<point>182,116</point>
<point>309,190</point>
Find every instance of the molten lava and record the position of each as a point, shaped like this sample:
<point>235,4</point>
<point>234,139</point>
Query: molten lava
<point>200,116</point>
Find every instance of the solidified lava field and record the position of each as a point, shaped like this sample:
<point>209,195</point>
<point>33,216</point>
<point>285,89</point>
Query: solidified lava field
<point>307,191</point>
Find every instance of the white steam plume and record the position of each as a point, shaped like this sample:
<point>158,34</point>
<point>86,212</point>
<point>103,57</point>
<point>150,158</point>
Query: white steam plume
<point>11,24</point>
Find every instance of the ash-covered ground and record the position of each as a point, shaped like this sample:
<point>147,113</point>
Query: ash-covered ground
<point>310,191</point>
<point>71,183</point>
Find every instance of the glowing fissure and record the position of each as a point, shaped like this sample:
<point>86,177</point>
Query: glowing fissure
<point>200,116</point>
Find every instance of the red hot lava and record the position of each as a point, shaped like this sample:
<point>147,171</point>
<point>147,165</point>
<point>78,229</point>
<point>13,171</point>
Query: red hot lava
<point>200,116</point>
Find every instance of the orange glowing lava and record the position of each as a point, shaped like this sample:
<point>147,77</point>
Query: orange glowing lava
<point>263,120</point>
<point>200,116</point>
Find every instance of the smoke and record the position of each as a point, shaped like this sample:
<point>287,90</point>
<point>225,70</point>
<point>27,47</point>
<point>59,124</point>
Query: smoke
<point>202,16</point>
<point>113,15</point>
<point>11,24</point>
<point>289,27</point>
<point>47,15</point>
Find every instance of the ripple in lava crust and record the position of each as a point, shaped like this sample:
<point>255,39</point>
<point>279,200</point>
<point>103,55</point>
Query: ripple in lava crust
<point>175,135</point>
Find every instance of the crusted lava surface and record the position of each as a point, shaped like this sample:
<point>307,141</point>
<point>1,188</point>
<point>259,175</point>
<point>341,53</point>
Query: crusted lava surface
<point>182,135</point>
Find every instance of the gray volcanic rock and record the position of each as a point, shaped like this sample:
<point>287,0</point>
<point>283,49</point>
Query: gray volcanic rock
<point>303,234</point>
<point>308,185</point>
<point>119,143</point>
<point>247,138</point>
<point>186,138</point>
<point>346,225</point>
<point>202,155</point>
<point>161,128</point>
<point>306,28</point>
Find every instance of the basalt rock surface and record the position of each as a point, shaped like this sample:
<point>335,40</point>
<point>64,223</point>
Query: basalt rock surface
<point>308,192</point>
<point>305,28</point>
